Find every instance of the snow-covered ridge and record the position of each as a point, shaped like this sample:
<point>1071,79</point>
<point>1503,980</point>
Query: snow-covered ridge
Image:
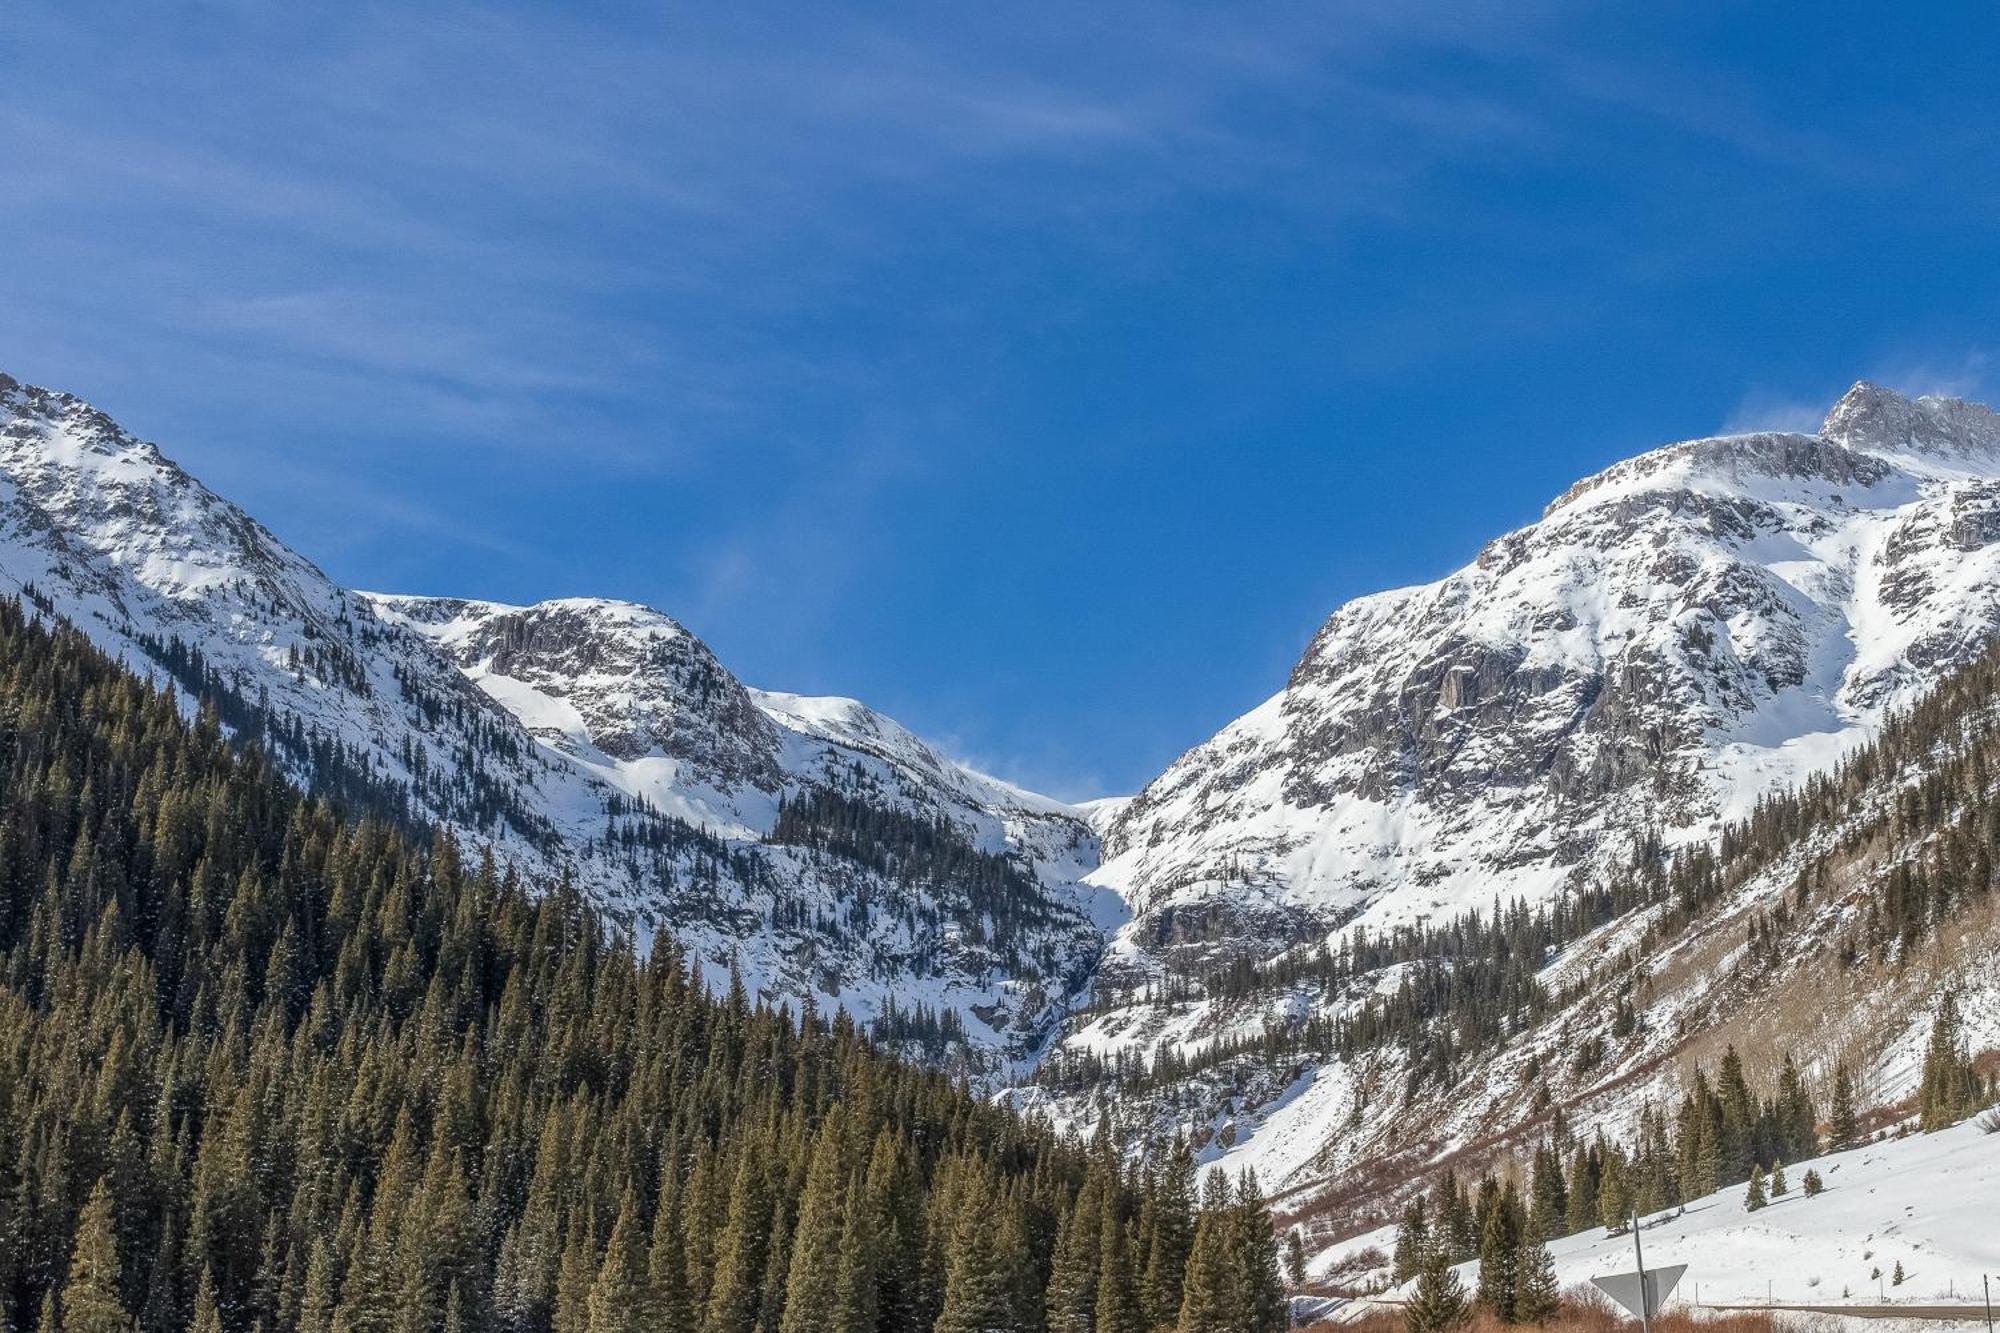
<point>567,737</point>
<point>1678,634</point>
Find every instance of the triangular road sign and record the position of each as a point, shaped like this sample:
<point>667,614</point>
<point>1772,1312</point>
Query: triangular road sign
<point>1624,1288</point>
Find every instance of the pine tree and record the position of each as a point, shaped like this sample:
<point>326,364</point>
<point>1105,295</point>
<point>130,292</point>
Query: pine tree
<point>1778,1184</point>
<point>1583,1201</point>
<point>1538,1297</point>
<point>1453,1220</point>
<point>1739,1115</point>
<point>979,1294</point>
<point>740,1252</point>
<point>857,1290</point>
<point>207,1314</point>
<point>621,1297</point>
<point>368,1292</point>
<point>814,1272</point>
<point>1844,1127</point>
<point>1437,1304</point>
<point>1550,1206</point>
<point>1295,1258</point>
<point>1261,1300</point>
<point>669,1298</point>
<point>576,1277</point>
<point>1412,1237</point>
<point>1797,1117</point>
<point>317,1300</point>
<point>1614,1200</point>
<point>1119,1309</point>
<point>1173,1233</point>
<point>1708,1153</point>
<point>1813,1184</point>
<point>1755,1199</point>
<point>1950,1088</point>
<point>92,1300</point>
<point>1208,1291</point>
<point>1896,1279</point>
<point>1073,1275</point>
<point>1499,1259</point>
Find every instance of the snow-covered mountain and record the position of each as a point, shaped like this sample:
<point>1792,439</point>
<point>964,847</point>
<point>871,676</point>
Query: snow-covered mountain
<point>1676,636</point>
<point>1691,630</point>
<point>593,739</point>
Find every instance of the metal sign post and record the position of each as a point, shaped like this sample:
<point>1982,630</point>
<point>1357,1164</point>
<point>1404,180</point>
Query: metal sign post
<point>1639,1253</point>
<point>1642,1293</point>
<point>1987,1282</point>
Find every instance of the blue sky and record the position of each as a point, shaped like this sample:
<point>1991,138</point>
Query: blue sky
<point>1042,374</point>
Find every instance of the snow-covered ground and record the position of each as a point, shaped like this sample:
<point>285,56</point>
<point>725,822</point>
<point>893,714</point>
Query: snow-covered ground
<point>1930,1202</point>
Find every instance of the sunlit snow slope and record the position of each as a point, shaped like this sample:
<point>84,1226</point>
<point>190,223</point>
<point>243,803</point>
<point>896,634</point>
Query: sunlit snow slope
<point>1926,1202</point>
<point>1676,635</point>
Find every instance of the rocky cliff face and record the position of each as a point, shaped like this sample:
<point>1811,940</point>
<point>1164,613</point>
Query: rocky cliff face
<point>1674,636</point>
<point>583,737</point>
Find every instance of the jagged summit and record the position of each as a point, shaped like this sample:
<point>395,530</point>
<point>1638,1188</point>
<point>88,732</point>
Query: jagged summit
<point>611,680</point>
<point>1867,433</point>
<point>1871,418</point>
<point>1587,703</point>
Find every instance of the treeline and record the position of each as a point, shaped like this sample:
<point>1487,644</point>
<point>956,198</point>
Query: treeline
<point>1464,986</point>
<point>463,771</point>
<point>1939,757</point>
<point>1722,1131</point>
<point>931,853</point>
<point>264,1068</point>
<point>461,780</point>
<point>466,763</point>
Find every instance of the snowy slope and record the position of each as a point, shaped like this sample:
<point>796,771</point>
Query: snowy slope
<point>1927,1202</point>
<point>595,739</point>
<point>1676,635</point>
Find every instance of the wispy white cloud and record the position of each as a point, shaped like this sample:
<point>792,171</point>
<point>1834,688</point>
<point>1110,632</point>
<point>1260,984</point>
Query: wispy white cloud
<point>1967,374</point>
<point>1768,409</point>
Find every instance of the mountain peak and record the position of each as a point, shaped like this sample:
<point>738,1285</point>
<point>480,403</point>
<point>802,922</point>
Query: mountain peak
<point>1872,419</point>
<point>70,428</point>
